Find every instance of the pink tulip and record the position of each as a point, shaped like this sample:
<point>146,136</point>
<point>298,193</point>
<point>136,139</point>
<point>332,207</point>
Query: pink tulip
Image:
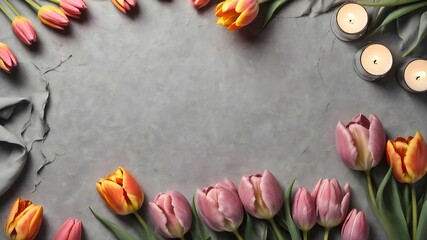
<point>70,230</point>
<point>53,17</point>
<point>199,3</point>
<point>124,5</point>
<point>331,202</point>
<point>220,207</point>
<point>171,213</point>
<point>304,210</point>
<point>261,195</point>
<point>355,226</point>
<point>7,58</point>
<point>361,143</point>
<point>73,8</point>
<point>24,30</point>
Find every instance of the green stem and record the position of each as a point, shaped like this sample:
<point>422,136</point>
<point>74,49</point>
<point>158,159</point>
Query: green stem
<point>263,1</point>
<point>6,13</point>
<point>304,235</point>
<point>54,1</point>
<point>11,7</point>
<point>237,234</point>
<point>371,189</point>
<point>144,225</point>
<point>33,4</point>
<point>414,211</point>
<point>326,236</point>
<point>276,229</point>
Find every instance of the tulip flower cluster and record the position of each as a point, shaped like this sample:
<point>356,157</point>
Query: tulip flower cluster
<point>328,206</point>
<point>25,219</point>
<point>361,145</point>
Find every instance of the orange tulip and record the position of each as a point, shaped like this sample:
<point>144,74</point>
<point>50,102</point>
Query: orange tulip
<point>121,192</point>
<point>124,5</point>
<point>235,14</point>
<point>53,17</point>
<point>24,220</point>
<point>408,158</point>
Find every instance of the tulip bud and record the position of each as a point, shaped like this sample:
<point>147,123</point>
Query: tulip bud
<point>73,8</point>
<point>360,144</point>
<point>53,17</point>
<point>408,158</point>
<point>121,192</point>
<point>199,3</point>
<point>124,5</point>
<point>220,207</point>
<point>355,226</point>
<point>171,213</point>
<point>7,58</point>
<point>304,210</point>
<point>261,195</point>
<point>70,230</point>
<point>24,220</point>
<point>235,14</point>
<point>24,30</point>
<point>331,202</point>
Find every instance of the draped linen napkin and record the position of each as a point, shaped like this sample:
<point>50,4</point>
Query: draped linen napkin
<point>21,124</point>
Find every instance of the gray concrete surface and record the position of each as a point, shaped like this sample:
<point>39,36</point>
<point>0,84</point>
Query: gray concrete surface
<point>184,103</point>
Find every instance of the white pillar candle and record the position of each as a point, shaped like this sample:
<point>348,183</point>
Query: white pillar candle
<point>350,22</point>
<point>413,75</point>
<point>373,61</point>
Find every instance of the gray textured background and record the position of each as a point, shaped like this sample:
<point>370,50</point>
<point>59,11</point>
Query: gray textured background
<point>184,103</point>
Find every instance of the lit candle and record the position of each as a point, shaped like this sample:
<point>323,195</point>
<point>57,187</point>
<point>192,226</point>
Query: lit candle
<point>349,22</point>
<point>412,75</point>
<point>373,61</point>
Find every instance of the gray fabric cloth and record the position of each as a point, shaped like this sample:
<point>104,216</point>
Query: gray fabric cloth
<point>22,124</point>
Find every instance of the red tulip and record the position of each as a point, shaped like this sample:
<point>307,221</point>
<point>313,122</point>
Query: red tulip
<point>124,5</point>
<point>53,17</point>
<point>199,3</point>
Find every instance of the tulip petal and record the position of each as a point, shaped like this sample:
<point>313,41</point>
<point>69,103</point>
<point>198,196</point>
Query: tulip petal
<point>415,158</point>
<point>76,231</point>
<point>345,146</point>
<point>247,16</point>
<point>160,219</point>
<point>207,207</point>
<point>377,140</point>
<point>133,190</point>
<point>360,137</point>
<point>247,195</point>
<point>360,119</point>
<point>230,206</point>
<point>182,209</point>
<point>229,5</point>
<point>116,197</point>
<point>394,159</point>
<point>271,192</point>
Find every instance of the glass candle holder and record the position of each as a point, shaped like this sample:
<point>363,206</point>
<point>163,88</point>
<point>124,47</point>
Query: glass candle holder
<point>373,61</point>
<point>349,22</point>
<point>412,75</point>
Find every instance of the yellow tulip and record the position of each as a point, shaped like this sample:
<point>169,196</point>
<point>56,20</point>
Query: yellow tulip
<point>235,14</point>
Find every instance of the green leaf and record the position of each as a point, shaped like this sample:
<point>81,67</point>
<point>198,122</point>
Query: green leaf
<point>398,13</point>
<point>272,9</point>
<point>292,228</point>
<point>390,209</point>
<point>406,203</point>
<point>264,231</point>
<point>198,230</point>
<point>387,3</point>
<point>249,229</point>
<point>422,223</point>
<point>422,33</point>
<point>116,230</point>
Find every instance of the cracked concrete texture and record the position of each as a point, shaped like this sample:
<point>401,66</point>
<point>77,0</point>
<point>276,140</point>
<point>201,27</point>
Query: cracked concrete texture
<point>183,103</point>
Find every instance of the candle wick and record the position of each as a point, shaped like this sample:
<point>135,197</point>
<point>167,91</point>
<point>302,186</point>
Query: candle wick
<point>418,78</point>
<point>375,61</point>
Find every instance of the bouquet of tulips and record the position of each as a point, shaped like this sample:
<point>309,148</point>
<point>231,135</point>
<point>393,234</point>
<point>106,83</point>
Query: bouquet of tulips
<point>400,207</point>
